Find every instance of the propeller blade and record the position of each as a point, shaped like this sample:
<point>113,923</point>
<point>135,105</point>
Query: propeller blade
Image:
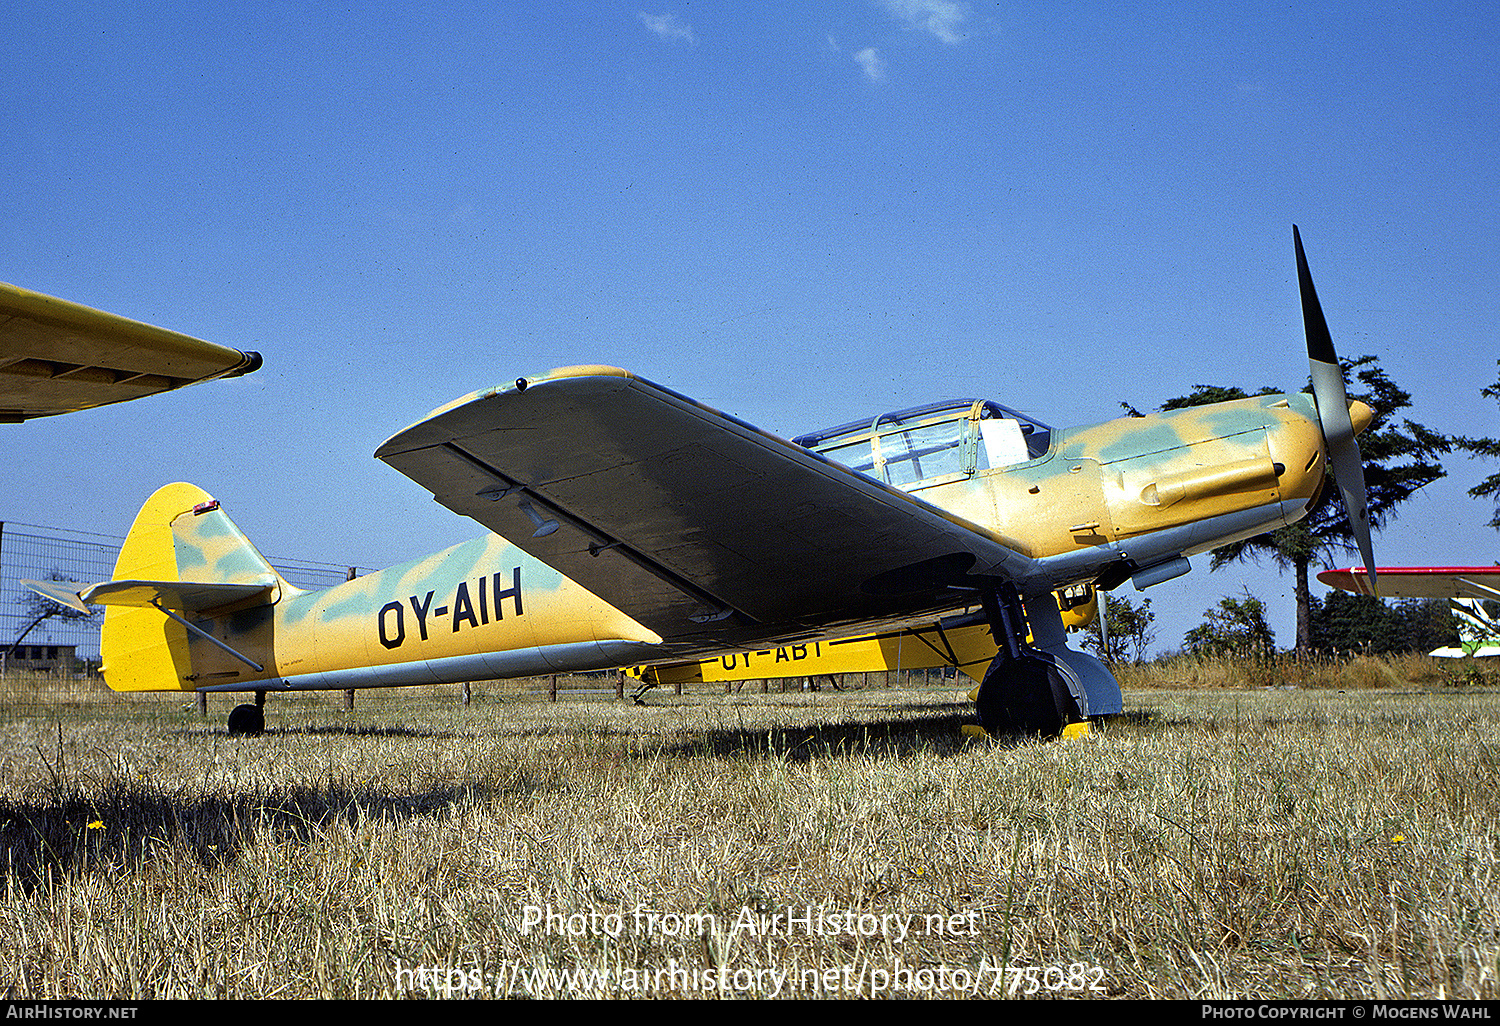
<point>1333,412</point>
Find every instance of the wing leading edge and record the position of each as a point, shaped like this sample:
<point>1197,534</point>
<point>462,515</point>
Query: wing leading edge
<point>690,521</point>
<point>60,357</point>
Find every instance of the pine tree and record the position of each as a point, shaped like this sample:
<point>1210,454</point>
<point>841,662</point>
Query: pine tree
<point>1487,447</point>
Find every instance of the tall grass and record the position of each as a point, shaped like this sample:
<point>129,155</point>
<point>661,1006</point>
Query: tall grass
<point>1208,843</point>
<point>1291,669</point>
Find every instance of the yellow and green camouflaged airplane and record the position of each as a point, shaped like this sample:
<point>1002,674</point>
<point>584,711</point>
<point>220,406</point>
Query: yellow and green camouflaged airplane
<point>632,526</point>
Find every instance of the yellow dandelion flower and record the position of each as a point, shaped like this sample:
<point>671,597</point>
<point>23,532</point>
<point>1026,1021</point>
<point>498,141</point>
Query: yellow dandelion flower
<point>1398,838</point>
<point>97,824</point>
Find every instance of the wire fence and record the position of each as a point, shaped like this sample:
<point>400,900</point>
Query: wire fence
<point>49,655</point>
<point>27,694</point>
<point>42,637</point>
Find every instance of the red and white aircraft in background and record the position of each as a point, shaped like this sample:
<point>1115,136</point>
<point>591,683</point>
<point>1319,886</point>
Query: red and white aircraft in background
<point>1469,589</point>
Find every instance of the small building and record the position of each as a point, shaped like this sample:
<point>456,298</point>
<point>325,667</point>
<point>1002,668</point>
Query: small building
<point>42,658</point>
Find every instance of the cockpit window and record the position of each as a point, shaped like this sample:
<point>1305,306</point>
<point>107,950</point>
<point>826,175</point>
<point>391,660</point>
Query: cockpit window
<point>947,439</point>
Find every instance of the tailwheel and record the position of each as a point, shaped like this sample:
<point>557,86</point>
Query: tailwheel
<point>246,721</point>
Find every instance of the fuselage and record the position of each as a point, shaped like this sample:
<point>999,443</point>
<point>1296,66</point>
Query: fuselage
<point>1130,498</point>
<point>479,610</point>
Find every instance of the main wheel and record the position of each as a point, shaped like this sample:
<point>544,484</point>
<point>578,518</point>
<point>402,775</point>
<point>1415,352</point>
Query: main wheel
<point>246,721</point>
<point>1025,696</point>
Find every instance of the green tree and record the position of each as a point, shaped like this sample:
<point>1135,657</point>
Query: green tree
<point>1201,395</point>
<point>1399,458</point>
<point>1359,623</point>
<point>1489,488</point>
<point>1234,627</point>
<point>1131,630</point>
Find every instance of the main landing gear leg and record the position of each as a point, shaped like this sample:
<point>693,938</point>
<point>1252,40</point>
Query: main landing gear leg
<point>1024,691</point>
<point>249,720</point>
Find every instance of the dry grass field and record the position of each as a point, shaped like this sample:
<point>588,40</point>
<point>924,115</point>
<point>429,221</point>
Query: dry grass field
<point>1215,841</point>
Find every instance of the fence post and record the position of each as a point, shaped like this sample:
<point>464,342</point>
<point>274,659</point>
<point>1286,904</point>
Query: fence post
<point>352,573</point>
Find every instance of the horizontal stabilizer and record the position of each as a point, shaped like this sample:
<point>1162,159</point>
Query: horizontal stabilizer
<point>64,593</point>
<point>185,596</point>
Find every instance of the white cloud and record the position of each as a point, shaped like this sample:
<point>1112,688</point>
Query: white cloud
<point>940,17</point>
<point>869,60</point>
<point>667,26</point>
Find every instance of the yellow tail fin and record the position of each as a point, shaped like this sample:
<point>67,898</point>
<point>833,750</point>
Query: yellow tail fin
<point>180,534</point>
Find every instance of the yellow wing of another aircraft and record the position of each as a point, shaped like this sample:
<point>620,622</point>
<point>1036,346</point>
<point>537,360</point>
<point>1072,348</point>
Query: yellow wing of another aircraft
<point>1468,588</point>
<point>965,643</point>
<point>59,357</point>
<point>1460,582</point>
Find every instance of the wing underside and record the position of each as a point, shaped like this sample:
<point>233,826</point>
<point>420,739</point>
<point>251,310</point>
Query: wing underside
<point>60,357</point>
<point>686,519</point>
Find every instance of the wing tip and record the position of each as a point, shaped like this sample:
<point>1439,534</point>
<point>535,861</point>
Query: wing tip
<point>1356,579</point>
<point>410,436</point>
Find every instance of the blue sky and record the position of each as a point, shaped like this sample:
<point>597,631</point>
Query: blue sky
<point>800,213</point>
